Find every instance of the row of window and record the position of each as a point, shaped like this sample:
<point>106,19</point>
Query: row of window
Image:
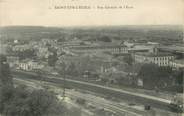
<point>163,58</point>
<point>155,58</point>
<point>163,63</point>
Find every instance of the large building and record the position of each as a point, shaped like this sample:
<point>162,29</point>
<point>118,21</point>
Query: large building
<point>161,59</point>
<point>114,49</point>
<point>143,48</point>
<point>178,64</point>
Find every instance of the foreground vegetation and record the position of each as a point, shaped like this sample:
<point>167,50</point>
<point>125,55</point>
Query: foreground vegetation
<point>23,101</point>
<point>20,102</point>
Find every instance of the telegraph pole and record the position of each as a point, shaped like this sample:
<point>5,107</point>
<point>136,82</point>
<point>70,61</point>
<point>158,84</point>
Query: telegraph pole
<point>64,80</point>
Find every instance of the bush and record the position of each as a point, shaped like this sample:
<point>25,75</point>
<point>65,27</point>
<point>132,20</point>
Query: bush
<point>81,101</point>
<point>105,39</point>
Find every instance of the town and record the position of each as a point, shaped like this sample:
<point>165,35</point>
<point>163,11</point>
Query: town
<point>148,61</point>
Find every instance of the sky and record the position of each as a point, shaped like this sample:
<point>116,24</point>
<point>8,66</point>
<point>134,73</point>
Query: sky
<point>42,13</point>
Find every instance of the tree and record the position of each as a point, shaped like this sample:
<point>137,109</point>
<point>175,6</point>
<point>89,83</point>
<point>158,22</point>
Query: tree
<point>29,53</point>
<point>5,76</point>
<point>81,101</point>
<point>72,69</point>
<point>179,77</point>
<point>155,76</point>
<point>6,94</point>
<point>18,101</point>
<point>52,59</point>
<point>105,39</point>
<point>41,102</point>
<point>17,104</point>
<point>128,59</point>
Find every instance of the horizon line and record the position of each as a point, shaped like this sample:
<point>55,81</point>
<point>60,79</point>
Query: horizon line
<point>68,26</point>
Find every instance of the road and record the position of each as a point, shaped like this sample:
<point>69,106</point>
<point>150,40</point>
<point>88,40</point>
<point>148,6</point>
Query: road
<point>108,91</point>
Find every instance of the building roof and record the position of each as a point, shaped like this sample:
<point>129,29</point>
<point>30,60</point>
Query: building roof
<point>159,54</point>
<point>142,47</point>
<point>174,48</point>
<point>181,61</point>
<point>97,46</point>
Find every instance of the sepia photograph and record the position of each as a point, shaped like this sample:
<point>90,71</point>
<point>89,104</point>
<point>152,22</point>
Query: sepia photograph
<point>91,58</point>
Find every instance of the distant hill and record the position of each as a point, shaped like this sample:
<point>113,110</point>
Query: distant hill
<point>152,32</point>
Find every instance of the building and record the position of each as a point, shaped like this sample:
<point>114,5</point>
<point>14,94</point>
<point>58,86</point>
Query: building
<point>128,44</point>
<point>122,49</point>
<point>30,65</point>
<point>172,49</point>
<point>114,49</point>
<point>161,59</point>
<point>153,43</point>
<point>13,61</point>
<point>74,42</point>
<point>23,66</point>
<point>21,48</point>
<point>142,48</point>
<point>3,48</point>
<point>178,64</point>
<point>51,42</point>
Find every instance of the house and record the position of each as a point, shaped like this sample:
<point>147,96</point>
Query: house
<point>23,66</point>
<point>29,65</point>
<point>3,48</point>
<point>21,48</point>
<point>46,41</point>
<point>13,61</point>
<point>43,52</point>
<point>129,44</point>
